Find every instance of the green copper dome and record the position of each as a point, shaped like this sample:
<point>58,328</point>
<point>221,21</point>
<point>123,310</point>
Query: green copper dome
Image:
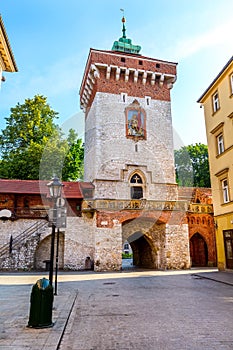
<point>124,44</point>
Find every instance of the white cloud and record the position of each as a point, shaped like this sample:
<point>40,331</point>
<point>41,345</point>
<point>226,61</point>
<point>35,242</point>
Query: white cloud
<point>220,35</point>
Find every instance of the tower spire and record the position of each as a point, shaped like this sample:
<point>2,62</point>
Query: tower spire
<point>124,44</point>
<point>123,21</point>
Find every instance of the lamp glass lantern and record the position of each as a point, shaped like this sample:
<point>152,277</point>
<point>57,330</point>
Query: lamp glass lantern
<point>55,187</point>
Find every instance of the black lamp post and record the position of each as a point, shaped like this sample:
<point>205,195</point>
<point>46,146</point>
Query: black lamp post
<point>55,187</point>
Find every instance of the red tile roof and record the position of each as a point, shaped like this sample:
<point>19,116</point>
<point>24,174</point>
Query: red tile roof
<point>70,189</point>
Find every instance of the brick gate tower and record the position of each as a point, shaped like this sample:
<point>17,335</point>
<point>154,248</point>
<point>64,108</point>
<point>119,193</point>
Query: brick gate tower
<point>129,158</point>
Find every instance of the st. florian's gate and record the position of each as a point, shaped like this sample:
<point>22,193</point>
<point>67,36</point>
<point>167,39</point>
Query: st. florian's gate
<point>156,230</point>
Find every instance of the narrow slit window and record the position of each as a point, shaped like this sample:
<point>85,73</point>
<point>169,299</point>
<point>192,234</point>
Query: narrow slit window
<point>123,97</point>
<point>148,100</point>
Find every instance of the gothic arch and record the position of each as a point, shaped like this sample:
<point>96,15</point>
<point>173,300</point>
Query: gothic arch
<point>198,250</point>
<point>143,252</point>
<point>42,253</point>
<point>137,185</point>
<point>147,241</point>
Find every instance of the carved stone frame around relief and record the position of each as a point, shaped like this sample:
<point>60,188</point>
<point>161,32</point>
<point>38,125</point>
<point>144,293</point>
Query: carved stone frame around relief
<point>135,121</point>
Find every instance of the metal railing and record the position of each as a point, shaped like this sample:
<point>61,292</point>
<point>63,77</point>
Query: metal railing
<point>35,229</point>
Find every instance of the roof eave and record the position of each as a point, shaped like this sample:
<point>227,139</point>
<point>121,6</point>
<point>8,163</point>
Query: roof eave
<point>200,100</point>
<point>10,56</point>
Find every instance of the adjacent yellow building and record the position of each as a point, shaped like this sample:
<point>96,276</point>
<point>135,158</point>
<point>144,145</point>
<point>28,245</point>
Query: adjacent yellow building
<point>7,61</point>
<point>217,101</point>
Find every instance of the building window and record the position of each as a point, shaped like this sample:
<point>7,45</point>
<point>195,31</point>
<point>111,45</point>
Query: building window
<point>216,105</point>
<point>225,191</point>
<point>136,189</point>
<point>122,59</point>
<point>136,192</point>
<point>220,144</point>
<point>140,62</point>
<point>157,65</point>
<point>148,100</point>
<point>231,83</point>
<point>123,97</point>
<point>136,179</point>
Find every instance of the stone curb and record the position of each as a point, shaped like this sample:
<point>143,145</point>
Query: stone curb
<point>215,279</point>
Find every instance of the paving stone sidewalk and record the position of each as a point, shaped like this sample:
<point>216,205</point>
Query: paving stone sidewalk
<point>14,316</point>
<point>225,277</point>
<point>15,290</point>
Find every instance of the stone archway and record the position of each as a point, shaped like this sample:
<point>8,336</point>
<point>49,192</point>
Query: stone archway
<point>147,240</point>
<point>143,252</point>
<point>42,253</point>
<point>198,250</point>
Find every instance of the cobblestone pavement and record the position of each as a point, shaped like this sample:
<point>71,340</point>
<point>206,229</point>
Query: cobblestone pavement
<point>173,311</point>
<point>135,310</point>
<point>15,290</point>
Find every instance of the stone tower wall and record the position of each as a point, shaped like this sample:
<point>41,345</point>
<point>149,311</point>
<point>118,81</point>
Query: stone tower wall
<point>111,157</point>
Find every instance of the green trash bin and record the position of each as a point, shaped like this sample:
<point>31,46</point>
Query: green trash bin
<point>41,305</point>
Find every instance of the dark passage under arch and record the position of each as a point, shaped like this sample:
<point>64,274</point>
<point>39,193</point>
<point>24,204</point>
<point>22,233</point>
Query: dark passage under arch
<point>143,255</point>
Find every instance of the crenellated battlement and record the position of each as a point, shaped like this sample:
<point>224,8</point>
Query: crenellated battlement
<point>135,75</point>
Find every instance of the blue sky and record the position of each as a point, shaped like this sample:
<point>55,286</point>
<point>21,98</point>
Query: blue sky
<point>51,41</point>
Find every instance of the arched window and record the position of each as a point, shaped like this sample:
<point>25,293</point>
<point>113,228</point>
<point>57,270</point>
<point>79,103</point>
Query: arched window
<point>136,189</point>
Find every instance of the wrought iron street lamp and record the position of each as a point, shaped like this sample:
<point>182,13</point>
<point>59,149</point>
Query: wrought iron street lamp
<point>55,188</point>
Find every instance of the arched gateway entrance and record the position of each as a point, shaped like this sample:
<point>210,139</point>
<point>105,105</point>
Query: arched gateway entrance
<point>143,254</point>
<point>147,242</point>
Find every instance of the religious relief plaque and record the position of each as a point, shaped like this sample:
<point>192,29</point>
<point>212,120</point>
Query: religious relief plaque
<point>135,121</point>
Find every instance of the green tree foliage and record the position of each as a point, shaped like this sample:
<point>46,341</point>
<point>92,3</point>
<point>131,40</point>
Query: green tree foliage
<point>34,147</point>
<point>192,166</point>
<point>73,163</point>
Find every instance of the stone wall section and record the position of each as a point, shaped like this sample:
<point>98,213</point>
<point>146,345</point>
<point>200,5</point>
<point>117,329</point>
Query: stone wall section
<point>79,242</point>
<point>108,249</point>
<point>22,256</point>
<point>14,228</point>
<point>177,247</point>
